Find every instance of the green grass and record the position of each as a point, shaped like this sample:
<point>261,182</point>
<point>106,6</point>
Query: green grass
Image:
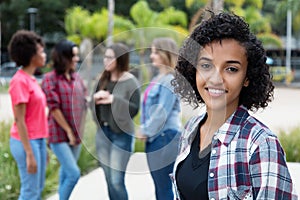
<point>4,88</point>
<point>291,144</point>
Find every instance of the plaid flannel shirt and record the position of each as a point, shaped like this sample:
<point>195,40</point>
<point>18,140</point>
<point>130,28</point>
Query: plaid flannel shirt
<point>69,97</point>
<point>247,160</point>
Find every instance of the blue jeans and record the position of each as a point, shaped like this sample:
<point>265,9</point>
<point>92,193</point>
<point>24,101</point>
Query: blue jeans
<point>114,151</point>
<point>32,185</point>
<point>161,155</point>
<point>69,172</point>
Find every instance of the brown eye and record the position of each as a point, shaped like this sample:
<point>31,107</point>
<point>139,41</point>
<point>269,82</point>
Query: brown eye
<point>232,69</point>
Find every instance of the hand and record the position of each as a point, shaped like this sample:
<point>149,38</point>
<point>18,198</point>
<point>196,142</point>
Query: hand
<point>103,97</point>
<point>72,138</point>
<point>31,164</point>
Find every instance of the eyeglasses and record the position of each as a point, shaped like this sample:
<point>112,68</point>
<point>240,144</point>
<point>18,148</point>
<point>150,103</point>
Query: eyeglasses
<point>109,57</point>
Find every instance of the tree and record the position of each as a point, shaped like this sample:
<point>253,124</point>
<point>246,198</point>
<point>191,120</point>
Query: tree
<point>111,11</point>
<point>150,24</point>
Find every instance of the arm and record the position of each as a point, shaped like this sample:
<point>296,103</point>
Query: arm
<point>19,110</point>
<point>158,114</point>
<point>53,102</point>
<point>60,119</point>
<point>121,105</point>
<point>270,176</point>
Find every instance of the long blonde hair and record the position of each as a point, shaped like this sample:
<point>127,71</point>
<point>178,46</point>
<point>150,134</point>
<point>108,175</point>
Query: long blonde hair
<point>167,49</point>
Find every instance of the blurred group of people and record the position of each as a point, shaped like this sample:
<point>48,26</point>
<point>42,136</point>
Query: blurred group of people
<point>220,154</point>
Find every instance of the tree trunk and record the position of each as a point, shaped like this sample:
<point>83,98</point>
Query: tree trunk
<point>111,11</point>
<point>217,6</point>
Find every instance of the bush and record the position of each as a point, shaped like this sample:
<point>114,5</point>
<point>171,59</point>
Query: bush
<point>290,143</point>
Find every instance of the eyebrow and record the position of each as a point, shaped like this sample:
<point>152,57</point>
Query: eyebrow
<point>228,61</point>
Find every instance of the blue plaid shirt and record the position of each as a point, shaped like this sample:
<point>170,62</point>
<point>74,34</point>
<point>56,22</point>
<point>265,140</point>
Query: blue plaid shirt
<point>247,160</point>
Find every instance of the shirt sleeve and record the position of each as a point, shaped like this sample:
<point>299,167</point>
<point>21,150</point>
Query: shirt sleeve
<point>269,172</point>
<point>50,90</point>
<point>157,114</point>
<point>19,91</point>
<point>127,108</point>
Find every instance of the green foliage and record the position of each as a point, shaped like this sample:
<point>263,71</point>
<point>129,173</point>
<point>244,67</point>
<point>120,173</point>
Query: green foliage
<point>254,3</point>
<point>173,17</point>
<point>290,143</point>
<point>142,15</point>
<point>9,175</point>
<point>234,3</point>
<point>258,23</point>
<point>269,39</point>
<point>9,179</point>
<point>75,19</point>
<point>165,3</point>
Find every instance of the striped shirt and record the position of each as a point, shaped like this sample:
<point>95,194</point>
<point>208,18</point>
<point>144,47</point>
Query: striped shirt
<point>247,160</point>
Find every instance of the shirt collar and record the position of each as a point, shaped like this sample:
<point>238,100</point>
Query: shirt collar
<point>25,74</point>
<point>232,125</point>
<point>62,76</point>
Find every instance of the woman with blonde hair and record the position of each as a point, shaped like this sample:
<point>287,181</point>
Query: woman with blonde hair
<point>160,118</point>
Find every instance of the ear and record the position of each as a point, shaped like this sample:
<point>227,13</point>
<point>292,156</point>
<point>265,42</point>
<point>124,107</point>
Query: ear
<point>246,82</point>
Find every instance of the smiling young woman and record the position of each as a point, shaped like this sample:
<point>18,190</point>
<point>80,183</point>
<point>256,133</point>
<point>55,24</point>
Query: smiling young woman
<point>227,153</point>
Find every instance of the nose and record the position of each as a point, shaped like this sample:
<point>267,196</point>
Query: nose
<point>216,77</point>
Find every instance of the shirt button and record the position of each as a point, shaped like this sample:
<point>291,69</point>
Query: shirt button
<point>214,151</point>
<point>215,137</point>
<point>211,175</point>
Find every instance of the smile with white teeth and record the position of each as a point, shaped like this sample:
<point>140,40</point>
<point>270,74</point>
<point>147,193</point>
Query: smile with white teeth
<point>216,92</point>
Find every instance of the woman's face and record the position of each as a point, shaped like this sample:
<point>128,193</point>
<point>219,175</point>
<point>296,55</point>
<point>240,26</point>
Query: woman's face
<point>75,58</point>
<point>110,61</point>
<point>221,74</point>
<point>155,57</point>
<point>39,59</point>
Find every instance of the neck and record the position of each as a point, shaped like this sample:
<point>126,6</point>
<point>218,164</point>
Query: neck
<point>115,76</point>
<point>163,70</point>
<point>68,75</point>
<point>29,70</point>
<point>215,119</point>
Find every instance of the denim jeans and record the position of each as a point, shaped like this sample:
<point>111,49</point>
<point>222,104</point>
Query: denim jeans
<point>114,151</point>
<point>32,185</point>
<point>69,172</point>
<point>161,155</point>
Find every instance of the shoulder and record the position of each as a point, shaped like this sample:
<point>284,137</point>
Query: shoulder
<point>50,75</point>
<point>258,134</point>
<point>129,79</point>
<point>257,128</point>
<point>165,81</point>
<point>19,77</point>
<point>192,123</point>
<point>167,78</point>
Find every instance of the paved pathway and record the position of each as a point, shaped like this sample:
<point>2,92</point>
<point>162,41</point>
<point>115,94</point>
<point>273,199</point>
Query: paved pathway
<point>282,114</point>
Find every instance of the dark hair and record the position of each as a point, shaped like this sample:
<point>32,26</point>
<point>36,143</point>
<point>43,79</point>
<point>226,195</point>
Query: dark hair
<point>122,58</point>
<point>23,46</point>
<point>257,94</point>
<point>62,55</point>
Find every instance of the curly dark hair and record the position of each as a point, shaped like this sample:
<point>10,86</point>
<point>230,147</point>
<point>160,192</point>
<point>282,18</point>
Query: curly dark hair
<point>62,55</point>
<point>218,27</point>
<point>23,46</point>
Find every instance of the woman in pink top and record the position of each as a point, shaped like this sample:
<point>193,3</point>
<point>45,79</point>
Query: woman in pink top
<point>30,128</point>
